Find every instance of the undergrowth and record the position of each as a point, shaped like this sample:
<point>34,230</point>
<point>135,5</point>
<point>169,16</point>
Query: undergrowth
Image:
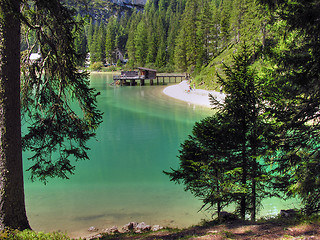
<point>31,235</point>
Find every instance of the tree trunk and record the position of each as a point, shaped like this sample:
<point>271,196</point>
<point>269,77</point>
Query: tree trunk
<point>12,203</point>
<point>254,175</point>
<point>253,200</point>
<point>243,202</point>
<point>219,208</point>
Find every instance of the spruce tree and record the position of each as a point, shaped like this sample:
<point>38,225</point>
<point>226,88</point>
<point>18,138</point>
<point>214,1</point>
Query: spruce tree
<point>101,40</point>
<point>80,41</point>
<point>221,161</point>
<point>180,58</point>
<point>130,45</point>
<point>172,35</point>
<point>204,33</point>
<point>110,41</point>
<point>152,41</point>
<point>89,33</point>
<point>161,55</point>
<point>215,29</point>
<point>140,44</point>
<point>190,29</point>
<point>186,41</point>
<point>94,44</point>
<point>244,108</point>
<point>226,9</point>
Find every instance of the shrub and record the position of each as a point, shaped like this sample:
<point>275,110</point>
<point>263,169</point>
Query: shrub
<point>31,235</point>
<point>96,66</point>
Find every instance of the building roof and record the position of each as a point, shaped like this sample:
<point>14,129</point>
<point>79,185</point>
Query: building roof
<point>147,69</point>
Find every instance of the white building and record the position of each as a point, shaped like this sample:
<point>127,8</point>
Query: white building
<point>35,56</point>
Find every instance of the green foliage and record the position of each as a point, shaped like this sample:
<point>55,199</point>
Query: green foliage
<point>80,41</point>
<point>221,162</point>
<point>110,40</point>
<point>31,235</point>
<point>203,165</point>
<point>115,39</point>
<point>96,66</point>
<point>140,46</point>
<point>57,132</point>
<point>291,80</point>
<point>119,63</point>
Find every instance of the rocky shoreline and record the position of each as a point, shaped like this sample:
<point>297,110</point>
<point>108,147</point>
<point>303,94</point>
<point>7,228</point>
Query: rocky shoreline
<point>131,227</point>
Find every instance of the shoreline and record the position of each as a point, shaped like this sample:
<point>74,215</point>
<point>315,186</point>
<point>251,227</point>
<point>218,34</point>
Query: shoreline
<point>182,92</point>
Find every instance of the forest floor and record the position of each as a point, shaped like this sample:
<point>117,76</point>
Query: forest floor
<point>280,228</point>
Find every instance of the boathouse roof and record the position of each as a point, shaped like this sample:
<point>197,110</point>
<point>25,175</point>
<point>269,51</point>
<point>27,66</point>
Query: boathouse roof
<point>147,69</point>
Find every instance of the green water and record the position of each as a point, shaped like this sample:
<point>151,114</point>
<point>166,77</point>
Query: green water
<point>140,136</point>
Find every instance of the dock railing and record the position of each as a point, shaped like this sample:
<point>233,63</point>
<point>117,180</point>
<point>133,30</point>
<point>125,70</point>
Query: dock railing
<point>132,76</point>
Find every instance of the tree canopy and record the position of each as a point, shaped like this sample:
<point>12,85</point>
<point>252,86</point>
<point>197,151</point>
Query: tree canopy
<point>50,88</point>
<point>279,115</point>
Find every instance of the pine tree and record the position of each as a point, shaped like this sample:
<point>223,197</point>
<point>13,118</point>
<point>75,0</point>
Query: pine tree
<point>140,44</point>
<point>242,107</point>
<point>121,34</point>
<point>221,161</point>
<point>94,44</point>
<point>180,58</point>
<point>215,29</point>
<point>172,35</point>
<point>89,33</point>
<point>130,45</point>
<point>152,37</point>
<point>161,56</point>
<point>205,170</point>
<point>186,41</point>
<point>239,9</point>
<point>101,40</point>
<point>189,24</point>
<point>151,46</point>
<point>80,41</point>
<point>226,9</point>
<point>204,33</point>
<point>110,41</point>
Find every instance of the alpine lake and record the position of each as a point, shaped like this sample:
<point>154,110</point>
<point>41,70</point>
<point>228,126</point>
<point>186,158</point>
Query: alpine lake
<point>123,181</point>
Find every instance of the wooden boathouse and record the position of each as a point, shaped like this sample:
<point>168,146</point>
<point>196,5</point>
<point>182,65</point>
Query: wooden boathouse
<point>143,74</point>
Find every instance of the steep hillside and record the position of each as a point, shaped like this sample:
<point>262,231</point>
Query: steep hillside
<point>104,9</point>
<point>130,3</point>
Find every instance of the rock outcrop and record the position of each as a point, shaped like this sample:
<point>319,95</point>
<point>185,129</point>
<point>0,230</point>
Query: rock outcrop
<point>133,227</point>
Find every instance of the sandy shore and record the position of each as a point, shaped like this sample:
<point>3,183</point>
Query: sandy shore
<point>182,92</point>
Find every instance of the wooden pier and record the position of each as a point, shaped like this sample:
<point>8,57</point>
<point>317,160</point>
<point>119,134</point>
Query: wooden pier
<point>169,77</point>
<point>145,74</point>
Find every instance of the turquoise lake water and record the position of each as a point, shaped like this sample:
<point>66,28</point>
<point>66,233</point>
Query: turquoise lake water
<point>140,137</point>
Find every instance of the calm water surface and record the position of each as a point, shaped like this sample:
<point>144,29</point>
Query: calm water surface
<point>140,136</point>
